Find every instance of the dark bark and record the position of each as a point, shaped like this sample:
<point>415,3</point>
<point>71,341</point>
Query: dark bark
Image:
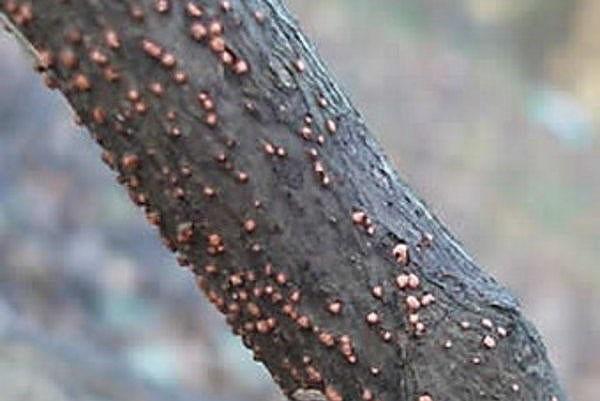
<point>226,127</point>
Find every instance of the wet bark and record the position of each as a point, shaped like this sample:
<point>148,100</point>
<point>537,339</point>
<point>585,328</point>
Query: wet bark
<point>225,126</point>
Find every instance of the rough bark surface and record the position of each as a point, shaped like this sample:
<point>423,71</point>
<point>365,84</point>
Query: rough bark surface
<point>225,126</point>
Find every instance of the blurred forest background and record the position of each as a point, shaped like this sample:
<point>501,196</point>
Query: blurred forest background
<point>490,108</point>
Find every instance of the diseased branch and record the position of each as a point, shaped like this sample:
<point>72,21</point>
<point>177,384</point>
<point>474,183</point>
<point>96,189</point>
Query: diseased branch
<point>225,126</point>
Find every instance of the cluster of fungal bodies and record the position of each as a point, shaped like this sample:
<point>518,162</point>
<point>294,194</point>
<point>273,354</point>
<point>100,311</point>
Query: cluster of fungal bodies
<point>410,284</point>
<point>480,336</point>
<point>260,299</point>
<point>405,280</point>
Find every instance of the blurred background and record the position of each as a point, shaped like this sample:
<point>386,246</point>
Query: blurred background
<point>490,109</point>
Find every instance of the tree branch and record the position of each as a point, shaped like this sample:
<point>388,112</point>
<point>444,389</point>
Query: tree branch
<point>226,127</point>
